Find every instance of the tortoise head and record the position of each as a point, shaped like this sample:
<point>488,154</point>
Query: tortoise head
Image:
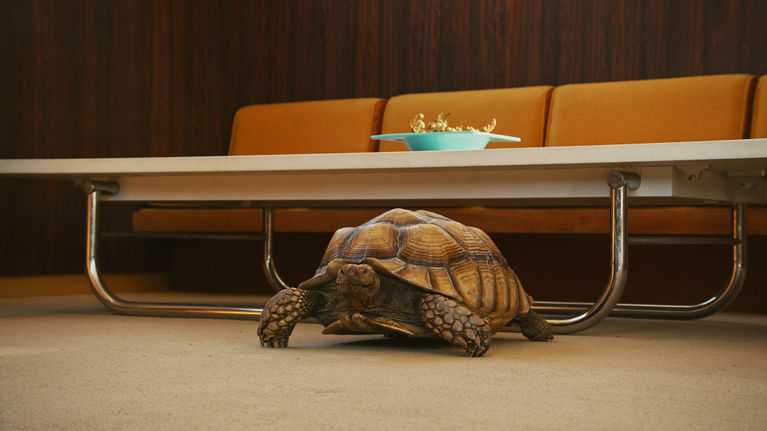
<point>360,283</point>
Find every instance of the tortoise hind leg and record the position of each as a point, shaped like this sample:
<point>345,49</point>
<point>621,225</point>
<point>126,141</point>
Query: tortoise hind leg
<point>455,323</point>
<point>533,327</point>
<point>281,314</point>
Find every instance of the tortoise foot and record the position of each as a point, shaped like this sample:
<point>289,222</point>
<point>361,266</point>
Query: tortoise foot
<point>281,314</point>
<point>535,328</point>
<point>456,323</point>
<point>276,342</point>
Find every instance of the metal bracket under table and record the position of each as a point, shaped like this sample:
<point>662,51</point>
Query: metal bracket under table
<point>672,173</point>
<point>584,315</point>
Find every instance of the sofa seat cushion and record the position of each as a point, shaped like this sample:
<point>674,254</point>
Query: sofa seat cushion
<point>178,219</point>
<point>668,220</point>
<point>519,112</point>
<point>654,110</point>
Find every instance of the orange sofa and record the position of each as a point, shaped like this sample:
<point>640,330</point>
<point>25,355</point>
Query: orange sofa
<point>659,110</point>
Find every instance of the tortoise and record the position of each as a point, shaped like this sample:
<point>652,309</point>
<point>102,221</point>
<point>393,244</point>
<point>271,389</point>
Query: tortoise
<point>408,273</point>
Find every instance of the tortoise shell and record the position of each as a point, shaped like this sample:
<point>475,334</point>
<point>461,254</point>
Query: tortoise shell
<point>435,254</point>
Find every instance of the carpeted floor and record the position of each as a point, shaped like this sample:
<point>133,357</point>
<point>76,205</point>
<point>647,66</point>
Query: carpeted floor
<point>67,363</point>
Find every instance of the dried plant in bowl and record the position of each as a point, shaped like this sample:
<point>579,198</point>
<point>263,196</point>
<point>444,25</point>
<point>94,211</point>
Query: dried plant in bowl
<point>417,125</point>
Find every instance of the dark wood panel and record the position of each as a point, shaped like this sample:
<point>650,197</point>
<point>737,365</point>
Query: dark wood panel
<point>137,78</point>
<point>109,78</point>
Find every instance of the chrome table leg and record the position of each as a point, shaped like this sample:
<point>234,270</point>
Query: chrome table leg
<point>586,315</point>
<point>722,299</point>
<point>620,183</point>
<point>110,300</point>
<point>268,263</point>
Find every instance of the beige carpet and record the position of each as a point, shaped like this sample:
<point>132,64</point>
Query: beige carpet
<point>67,363</point>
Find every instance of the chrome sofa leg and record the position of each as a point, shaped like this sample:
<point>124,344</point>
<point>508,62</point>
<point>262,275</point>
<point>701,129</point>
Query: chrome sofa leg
<point>110,300</point>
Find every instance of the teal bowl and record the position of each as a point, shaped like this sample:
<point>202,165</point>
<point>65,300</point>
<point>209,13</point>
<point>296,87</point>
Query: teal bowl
<point>438,141</point>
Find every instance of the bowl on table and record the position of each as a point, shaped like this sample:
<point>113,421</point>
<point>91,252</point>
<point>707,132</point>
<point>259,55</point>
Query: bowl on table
<point>433,141</point>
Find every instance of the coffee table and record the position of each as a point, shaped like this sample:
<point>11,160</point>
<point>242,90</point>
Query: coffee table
<point>730,172</point>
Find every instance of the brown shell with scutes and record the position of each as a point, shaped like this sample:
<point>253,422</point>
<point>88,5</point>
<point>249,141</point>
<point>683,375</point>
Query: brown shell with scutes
<point>433,253</point>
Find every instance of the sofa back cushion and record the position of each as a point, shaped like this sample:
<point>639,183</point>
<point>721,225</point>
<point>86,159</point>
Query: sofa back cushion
<point>655,110</point>
<point>324,126</point>
<point>759,117</point>
<point>519,112</point>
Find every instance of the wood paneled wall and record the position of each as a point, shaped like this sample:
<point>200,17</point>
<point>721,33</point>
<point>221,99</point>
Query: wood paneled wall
<point>117,78</point>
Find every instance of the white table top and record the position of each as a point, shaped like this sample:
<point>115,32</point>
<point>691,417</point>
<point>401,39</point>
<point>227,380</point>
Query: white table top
<point>680,172</point>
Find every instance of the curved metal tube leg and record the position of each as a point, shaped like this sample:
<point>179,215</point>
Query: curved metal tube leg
<point>713,304</point>
<point>269,270</point>
<point>619,184</point>
<point>111,301</point>
<point>731,289</point>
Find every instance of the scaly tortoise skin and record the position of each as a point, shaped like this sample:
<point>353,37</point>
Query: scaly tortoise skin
<point>408,273</point>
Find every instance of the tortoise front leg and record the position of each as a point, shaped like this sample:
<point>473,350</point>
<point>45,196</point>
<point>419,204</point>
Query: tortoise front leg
<point>281,314</point>
<point>455,323</point>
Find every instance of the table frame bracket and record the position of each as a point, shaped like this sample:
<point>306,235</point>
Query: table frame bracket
<point>94,191</point>
<point>584,315</point>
